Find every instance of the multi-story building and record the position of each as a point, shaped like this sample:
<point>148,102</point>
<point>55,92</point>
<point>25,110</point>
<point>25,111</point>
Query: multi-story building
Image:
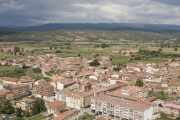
<point>62,95</point>
<point>45,90</point>
<point>25,104</point>
<point>139,92</point>
<point>80,100</point>
<point>84,86</point>
<point>20,90</point>
<point>54,106</point>
<point>103,91</point>
<point>120,108</point>
<point>9,81</point>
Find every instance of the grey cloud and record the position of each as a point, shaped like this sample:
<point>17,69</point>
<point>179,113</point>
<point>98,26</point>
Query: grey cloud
<point>169,2</point>
<point>35,12</point>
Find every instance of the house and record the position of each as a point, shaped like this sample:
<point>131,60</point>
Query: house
<point>68,115</point>
<point>174,87</point>
<point>27,78</point>
<point>42,81</point>
<point>28,81</point>
<point>65,83</point>
<point>9,81</point>
<point>6,94</point>
<point>56,105</point>
<point>25,104</point>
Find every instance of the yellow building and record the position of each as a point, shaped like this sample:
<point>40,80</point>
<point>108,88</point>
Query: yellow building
<point>25,104</point>
<point>80,100</point>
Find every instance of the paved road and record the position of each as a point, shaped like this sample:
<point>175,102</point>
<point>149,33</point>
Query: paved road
<point>44,74</point>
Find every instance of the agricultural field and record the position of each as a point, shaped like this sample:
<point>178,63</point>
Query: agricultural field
<point>74,43</point>
<point>65,50</point>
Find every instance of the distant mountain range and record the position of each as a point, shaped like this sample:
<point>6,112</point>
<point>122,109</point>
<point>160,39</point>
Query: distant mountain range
<point>98,26</point>
<point>5,28</point>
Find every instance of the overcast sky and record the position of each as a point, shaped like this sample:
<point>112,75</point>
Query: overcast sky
<point>36,12</point>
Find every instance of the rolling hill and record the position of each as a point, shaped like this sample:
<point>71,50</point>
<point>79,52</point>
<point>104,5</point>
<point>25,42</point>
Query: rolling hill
<point>100,26</point>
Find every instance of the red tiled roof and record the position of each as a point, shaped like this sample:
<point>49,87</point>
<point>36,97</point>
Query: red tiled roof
<point>56,104</point>
<point>151,98</point>
<point>10,79</point>
<point>64,115</point>
<point>18,86</point>
<point>45,85</point>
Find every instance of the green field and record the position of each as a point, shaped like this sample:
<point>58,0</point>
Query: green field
<point>38,43</point>
<point>73,50</point>
<point>39,117</point>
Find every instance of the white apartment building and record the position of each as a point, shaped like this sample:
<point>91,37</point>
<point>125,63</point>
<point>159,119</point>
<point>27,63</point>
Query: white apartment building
<point>120,108</point>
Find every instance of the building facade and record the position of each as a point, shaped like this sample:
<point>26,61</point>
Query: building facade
<point>25,104</point>
<point>119,108</point>
<point>20,90</point>
<point>45,90</point>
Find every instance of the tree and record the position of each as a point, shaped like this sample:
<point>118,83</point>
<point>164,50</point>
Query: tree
<point>24,66</point>
<point>96,45</point>
<point>58,51</point>
<point>36,108</point>
<point>7,106</point>
<point>36,70</point>
<point>103,45</point>
<point>9,50</point>
<point>94,63</point>
<point>79,55</point>
<point>139,83</point>
<point>22,49</point>
<point>20,53</point>
<point>175,49</point>
<point>32,51</point>
<point>116,69</point>
<point>173,60</point>
<point>16,49</point>
<point>160,105</point>
<point>18,112</point>
<point>160,49</point>
<point>42,105</point>
<point>32,97</point>
<point>27,114</point>
<point>1,50</point>
<point>50,48</point>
